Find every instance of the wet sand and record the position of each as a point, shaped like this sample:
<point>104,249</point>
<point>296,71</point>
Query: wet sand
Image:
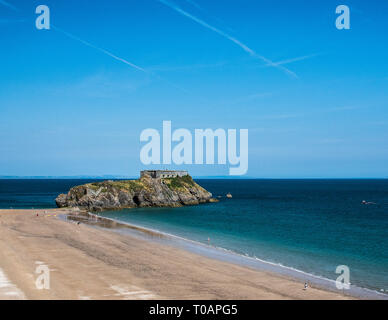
<point>93,263</point>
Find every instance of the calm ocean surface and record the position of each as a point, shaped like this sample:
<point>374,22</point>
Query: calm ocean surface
<point>309,225</point>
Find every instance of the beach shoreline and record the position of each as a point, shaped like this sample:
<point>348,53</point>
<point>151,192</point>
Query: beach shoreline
<point>223,254</point>
<point>98,263</point>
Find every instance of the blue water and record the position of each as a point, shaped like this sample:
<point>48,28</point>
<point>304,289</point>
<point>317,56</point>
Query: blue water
<point>34,193</point>
<point>309,225</point>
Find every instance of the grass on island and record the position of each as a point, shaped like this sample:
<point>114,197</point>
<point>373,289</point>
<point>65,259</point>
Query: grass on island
<point>179,182</point>
<point>126,185</point>
<point>175,184</point>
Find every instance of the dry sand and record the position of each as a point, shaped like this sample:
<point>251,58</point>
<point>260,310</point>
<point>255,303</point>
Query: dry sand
<point>90,263</point>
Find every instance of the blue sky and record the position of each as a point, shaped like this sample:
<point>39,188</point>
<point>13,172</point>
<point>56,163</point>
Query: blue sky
<point>314,98</point>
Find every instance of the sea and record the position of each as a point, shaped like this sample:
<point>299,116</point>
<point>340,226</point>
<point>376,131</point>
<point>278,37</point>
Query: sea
<point>314,227</point>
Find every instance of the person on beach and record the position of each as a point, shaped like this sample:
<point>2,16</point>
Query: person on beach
<point>306,285</point>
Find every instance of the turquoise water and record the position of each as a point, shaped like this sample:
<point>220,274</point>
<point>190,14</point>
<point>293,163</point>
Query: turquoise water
<point>309,225</point>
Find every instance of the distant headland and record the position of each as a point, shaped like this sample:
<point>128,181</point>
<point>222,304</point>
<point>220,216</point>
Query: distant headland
<point>155,188</point>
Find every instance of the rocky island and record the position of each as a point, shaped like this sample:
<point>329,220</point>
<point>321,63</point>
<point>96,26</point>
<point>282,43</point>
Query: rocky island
<point>154,189</point>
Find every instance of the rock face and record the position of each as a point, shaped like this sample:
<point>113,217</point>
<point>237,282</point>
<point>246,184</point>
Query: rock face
<point>145,192</point>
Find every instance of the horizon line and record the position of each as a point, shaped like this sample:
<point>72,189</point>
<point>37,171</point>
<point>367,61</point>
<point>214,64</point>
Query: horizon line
<point>223,177</point>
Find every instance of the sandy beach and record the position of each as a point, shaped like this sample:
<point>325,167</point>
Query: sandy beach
<point>93,263</point>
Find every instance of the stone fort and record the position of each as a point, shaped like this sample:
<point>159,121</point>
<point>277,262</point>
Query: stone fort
<point>164,173</point>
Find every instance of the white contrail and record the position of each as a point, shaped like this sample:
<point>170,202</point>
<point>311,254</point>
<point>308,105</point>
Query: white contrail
<point>85,42</point>
<point>292,60</point>
<point>5,3</point>
<point>99,49</point>
<point>197,6</point>
<point>117,58</point>
<point>227,36</point>
<point>103,51</point>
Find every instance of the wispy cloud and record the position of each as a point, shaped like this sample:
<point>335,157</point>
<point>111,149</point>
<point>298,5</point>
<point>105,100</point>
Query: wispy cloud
<point>106,52</point>
<point>287,61</point>
<point>343,108</point>
<point>105,85</point>
<point>110,54</point>
<point>225,63</point>
<point>7,4</point>
<point>188,67</point>
<point>227,36</point>
<point>99,49</point>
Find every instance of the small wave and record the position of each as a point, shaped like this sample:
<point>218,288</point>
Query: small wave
<point>293,272</point>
